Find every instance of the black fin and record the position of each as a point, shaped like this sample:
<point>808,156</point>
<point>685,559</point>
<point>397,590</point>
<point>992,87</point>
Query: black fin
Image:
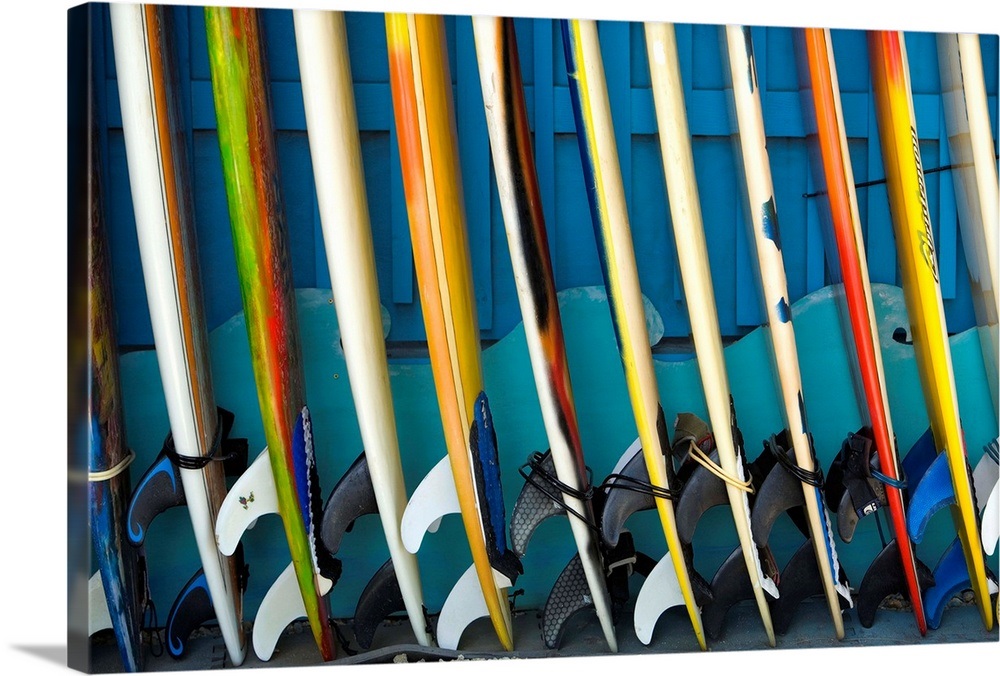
<point>191,609</point>
<point>884,577</point>
<point>159,489</point>
<point>353,496</point>
<point>236,451</point>
<point>779,492</point>
<point>851,492</point>
<point>799,580</point>
<point>730,585</point>
<point>702,590</point>
<point>532,507</point>
<point>702,491</point>
<point>381,597</point>
<point>620,563</point>
<point>620,504</point>
<point>570,594</point>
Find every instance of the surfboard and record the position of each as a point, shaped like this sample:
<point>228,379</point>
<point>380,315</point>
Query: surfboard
<point>335,147</point>
<point>849,266</point>
<point>764,238</point>
<point>606,195</point>
<point>117,593</point>
<point>973,154</point>
<point>283,479</point>
<point>467,481</point>
<point>696,276</point>
<point>161,197</point>
<point>922,290</point>
<point>521,204</point>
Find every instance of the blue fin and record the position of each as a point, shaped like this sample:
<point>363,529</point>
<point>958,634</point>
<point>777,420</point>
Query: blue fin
<point>933,492</point>
<point>951,576</point>
<point>159,489</point>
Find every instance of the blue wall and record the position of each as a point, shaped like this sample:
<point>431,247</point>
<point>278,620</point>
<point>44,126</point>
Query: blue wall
<point>557,157</point>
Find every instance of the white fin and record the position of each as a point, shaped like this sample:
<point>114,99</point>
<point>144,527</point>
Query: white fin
<point>281,606</point>
<point>659,592</point>
<point>100,617</point>
<point>629,453</point>
<point>991,521</point>
<point>251,497</point>
<point>984,478</point>
<point>464,604</point>
<point>501,580</point>
<point>434,497</point>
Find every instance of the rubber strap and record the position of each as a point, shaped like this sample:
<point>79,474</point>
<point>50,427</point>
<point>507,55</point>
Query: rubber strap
<point>112,472</point>
<point>200,461</point>
<point>699,456</point>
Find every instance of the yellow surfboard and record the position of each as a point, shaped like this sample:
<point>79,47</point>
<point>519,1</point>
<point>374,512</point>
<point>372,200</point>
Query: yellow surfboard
<point>922,289</point>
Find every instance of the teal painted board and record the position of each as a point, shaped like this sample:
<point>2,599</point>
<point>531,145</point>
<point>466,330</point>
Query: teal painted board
<point>563,197</point>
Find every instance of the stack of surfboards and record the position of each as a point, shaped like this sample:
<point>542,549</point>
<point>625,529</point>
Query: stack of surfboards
<point>704,463</point>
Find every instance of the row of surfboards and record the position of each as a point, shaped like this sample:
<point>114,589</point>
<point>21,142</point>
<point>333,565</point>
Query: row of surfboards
<point>702,465</point>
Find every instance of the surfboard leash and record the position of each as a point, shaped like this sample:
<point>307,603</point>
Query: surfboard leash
<point>553,488</point>
<point>813,478</point>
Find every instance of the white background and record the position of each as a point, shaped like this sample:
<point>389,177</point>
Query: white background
<point>33,325</point>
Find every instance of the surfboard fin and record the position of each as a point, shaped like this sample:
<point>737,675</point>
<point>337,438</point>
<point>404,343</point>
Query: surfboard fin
<point>191,609</point>
<point>97,603</point>
<point>730,585</point>
<point>659,592</point>
<point>799,580</point>
<point>985,479</point>
<point>282,604</point>
<point>933,493</point>
<point>434,497</point>
<point>570,594</point>
<point>851,491</point>
<point>251,497</point>
<point>702,491</point>
<point>778,492</point>
<point>885,576</point>
<point>159,489</point>
<point>352,497</point>
<point>533,507</point>
<point>464,604</point>
<point>951,576</point>
<point>619,505</point>
<point>919,459</point>
<point>380,598</point>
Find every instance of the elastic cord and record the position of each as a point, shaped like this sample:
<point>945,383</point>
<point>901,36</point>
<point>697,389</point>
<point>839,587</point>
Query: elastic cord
<point>196,462</point>
<point>627,483</point>
<point>899,484</point>
<point>535,461</point>
<point>702,459</point>
<point>814,478</point>
<point>112,472</point>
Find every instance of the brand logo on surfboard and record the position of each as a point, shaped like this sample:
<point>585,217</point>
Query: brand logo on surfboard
<point>926,235</point>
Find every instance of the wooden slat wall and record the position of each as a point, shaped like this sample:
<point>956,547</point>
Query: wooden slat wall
<point>557,159</point>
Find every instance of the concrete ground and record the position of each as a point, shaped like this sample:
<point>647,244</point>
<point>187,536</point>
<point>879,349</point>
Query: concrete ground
<point>811,628</point>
